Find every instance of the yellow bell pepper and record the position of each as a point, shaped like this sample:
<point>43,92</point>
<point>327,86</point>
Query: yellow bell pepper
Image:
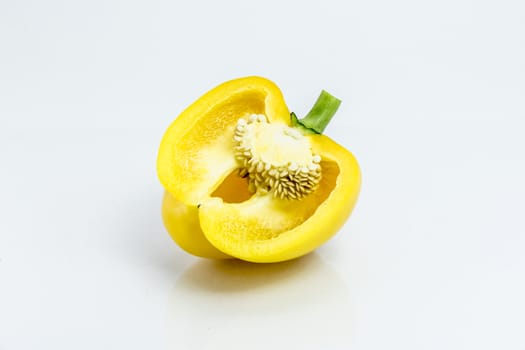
<point>245,178</point>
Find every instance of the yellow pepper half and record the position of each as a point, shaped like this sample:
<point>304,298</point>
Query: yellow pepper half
<point>245,178</point>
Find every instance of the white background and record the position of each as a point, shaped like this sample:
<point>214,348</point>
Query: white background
<point>433,108</point>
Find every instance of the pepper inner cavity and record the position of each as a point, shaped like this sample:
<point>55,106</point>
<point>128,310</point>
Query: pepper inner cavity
<point>276,158</point>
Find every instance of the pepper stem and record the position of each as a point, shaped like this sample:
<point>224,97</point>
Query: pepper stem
<point>319,116</point>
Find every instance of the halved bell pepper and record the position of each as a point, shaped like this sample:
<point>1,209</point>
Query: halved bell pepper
<point>245,178</point>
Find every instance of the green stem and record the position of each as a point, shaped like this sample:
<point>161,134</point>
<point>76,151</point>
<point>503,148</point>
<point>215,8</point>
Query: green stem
<point>319,116</point>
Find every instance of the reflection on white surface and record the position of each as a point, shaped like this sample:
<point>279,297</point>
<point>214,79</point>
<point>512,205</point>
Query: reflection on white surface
<point>217,303</point>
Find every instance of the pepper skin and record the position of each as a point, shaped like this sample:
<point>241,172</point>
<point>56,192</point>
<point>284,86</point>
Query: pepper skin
<point>216,206</point>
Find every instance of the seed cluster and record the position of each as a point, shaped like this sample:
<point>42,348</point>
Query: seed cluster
<point>285,181</point>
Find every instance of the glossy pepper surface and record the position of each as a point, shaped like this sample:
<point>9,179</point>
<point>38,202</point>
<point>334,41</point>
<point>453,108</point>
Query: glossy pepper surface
<point>245,178</point>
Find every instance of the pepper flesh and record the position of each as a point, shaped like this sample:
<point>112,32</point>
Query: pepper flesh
<point>208,209</point>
